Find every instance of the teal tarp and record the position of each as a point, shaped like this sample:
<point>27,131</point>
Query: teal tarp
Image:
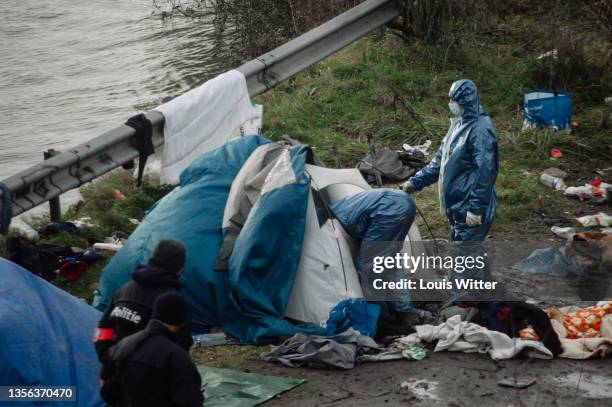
<point>232,388</point>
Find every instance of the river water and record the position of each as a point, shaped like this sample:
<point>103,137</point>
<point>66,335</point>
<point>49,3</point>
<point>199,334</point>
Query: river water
<point>70,70</point>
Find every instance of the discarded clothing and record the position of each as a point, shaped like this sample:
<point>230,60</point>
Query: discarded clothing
<point>401,348</point>
<point>460,336</point>
<point>202,120</point>
<point>392,165</point>
<point>340,351</point>
<point>41,259</point>
<point>55,228</point>
<point>584,333</point>
<point>144,143</point>
<point>411,353</point>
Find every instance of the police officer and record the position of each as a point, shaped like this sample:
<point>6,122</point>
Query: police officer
<point>149,368</point>
<point>131,306</point>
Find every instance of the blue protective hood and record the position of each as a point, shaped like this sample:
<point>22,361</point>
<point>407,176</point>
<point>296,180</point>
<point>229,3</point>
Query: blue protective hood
<point>465,93</point>
<point>45,337</point>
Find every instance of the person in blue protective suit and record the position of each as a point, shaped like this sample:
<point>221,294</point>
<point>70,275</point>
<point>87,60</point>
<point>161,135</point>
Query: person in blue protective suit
<point>378,215</point>
<point>465,167</point>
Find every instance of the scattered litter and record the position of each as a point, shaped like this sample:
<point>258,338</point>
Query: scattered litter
<point>553,182</point>
<point>84,222</point>
<point>555,153</point>
<point>90,256</point>
<point>421,147</point>
<point>575,124</point>
<point>606,231</point>
<point>517,383</point>
<point>24,229</point>
<point>583,192</point>
<point>596,189</point>
<point>134,221</point>
<point>608,100</point>
<point>421,388</point>
<point>601,219</point>
<point>555,172</point>
<point>119,195</point>
<point>552,53</point>
<point>549,261</point>
<point>108,247</point>
<point>213,339</point>
<point>602,172</point>
<point>565,233</point>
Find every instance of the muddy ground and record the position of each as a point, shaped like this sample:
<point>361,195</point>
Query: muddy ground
<point>448,379</point>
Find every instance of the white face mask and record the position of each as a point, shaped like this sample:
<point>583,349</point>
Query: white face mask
<point>455,109</point>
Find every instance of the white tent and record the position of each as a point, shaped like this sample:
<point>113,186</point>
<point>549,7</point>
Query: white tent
<point>327,273</point>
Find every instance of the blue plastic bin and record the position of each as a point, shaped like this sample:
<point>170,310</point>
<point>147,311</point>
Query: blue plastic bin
<point>547,108</point>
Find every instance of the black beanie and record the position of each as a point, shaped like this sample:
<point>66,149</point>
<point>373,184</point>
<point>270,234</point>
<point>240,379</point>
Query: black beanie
<point>170,308</point>
<point>168,254</point>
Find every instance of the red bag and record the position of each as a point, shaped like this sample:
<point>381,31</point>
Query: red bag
<point>72,271</point>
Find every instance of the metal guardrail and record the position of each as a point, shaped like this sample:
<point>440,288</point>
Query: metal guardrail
<point>87,161</point>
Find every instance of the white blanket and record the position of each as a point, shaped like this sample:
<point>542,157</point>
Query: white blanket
<point>203,119</point>
<point>463,336</point>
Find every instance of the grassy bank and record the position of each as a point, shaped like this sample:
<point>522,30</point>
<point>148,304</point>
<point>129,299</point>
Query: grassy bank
<point>359,92</point>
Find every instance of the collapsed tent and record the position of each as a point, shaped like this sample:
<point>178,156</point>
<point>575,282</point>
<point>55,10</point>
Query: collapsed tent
<point>45,336</point>
<point>262,245</point>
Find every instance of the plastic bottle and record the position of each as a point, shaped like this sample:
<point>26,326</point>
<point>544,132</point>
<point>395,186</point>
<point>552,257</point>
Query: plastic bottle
<point>553,182</point>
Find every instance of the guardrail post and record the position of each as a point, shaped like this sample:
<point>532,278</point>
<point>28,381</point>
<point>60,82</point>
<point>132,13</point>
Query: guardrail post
<point>55,209</point>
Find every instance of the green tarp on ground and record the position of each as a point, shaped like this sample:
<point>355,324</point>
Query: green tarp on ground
<point>233,388</point>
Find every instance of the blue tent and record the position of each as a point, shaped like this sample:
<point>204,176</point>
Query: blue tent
<point>45,337</point>
<point>249,299</point>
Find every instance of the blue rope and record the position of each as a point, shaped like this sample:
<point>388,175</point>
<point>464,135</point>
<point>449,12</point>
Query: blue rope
<point>7,209</point>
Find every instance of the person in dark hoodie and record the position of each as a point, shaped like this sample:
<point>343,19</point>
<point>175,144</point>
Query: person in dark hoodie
<point>149,368</point>
<point>131,306</point>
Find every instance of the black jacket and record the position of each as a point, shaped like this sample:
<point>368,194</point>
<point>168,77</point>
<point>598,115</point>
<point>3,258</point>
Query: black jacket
<point>152,370</point>
<point>131,306</point>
